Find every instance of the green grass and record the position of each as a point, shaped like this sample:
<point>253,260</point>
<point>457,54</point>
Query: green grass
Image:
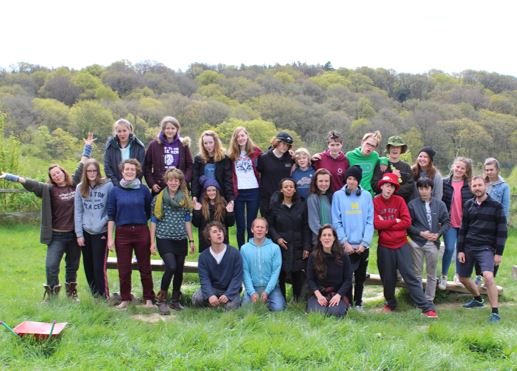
<point>99,336</point>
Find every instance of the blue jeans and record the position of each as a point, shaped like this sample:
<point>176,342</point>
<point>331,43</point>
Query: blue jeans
<point>450,238</point>
<point>63,243</point>
<point>275,300</point>
<point>246,210</point>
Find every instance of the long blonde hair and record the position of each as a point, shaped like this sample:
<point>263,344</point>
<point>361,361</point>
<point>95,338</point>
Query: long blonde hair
<point>468,167</point>
<point>218,147</point>
<point>234,150</point>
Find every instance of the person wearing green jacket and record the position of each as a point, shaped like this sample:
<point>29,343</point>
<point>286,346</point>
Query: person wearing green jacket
<point>367,158</point>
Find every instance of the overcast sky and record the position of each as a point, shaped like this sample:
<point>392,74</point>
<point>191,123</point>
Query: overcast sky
<point>407,36</point>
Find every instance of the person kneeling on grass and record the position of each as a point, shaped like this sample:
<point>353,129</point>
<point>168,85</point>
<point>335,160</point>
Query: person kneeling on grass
<point>262,262</point>
<point>481,240</point>
<point>220,272</point>
<point>391,219</point>
<point>429,221</point>
<point>329,274</point>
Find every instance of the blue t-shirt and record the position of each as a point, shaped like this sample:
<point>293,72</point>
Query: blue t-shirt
<point>303,180</point>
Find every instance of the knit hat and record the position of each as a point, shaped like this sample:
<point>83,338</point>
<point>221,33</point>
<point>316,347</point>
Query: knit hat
<point>396,141</point>
<point>427,149</point>
<point>285,137</point>
<point>354,171</point>
<point>390,178</point>
<point>208,182</point>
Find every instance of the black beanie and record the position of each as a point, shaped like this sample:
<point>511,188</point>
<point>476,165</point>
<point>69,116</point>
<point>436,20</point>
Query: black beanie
<point>427,149</point>
<point>354,171</point>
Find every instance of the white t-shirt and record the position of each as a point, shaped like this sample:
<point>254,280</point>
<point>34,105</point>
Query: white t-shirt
<point>218,256</point>
<point>246,178</point>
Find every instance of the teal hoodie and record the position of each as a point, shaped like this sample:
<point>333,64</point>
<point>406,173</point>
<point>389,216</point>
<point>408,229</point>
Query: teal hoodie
<point>367,164</point>
<point>261,265</point>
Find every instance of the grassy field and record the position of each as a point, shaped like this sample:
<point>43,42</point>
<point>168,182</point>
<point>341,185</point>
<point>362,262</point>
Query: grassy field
<point>99,336</point>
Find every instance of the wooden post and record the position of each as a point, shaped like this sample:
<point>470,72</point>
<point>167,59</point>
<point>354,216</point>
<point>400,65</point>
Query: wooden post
<point>514,272</point>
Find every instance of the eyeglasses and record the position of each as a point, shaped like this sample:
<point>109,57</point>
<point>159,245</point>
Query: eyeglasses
<point>371,145</point>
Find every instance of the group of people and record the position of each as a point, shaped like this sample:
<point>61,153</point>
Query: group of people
<point>318,215</point>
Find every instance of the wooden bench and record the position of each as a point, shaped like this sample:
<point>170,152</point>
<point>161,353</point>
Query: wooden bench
<point>374,279</point>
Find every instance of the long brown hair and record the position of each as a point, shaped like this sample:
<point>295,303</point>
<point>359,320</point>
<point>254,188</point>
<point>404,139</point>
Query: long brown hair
<point>314,180</point>
<point>219,205</point>
<point>319,255</point>
<point>68,178</point>
<point>218,146</point>
<point>430,170</point>
<point>84,188</point>
<point>234,150</point>
<point>468,168</point>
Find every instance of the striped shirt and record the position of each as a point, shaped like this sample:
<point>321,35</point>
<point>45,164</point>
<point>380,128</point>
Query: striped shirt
<point>482,225</point>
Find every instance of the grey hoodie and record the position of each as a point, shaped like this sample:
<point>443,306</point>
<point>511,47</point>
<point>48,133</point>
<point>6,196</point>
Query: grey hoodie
<point>91,213</point>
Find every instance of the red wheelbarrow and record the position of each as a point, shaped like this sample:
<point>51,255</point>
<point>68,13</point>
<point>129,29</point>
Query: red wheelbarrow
<point>38,330</point>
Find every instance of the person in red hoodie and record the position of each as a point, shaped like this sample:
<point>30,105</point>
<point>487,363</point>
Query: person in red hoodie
<point>392,219</point>
<point>333,159</point>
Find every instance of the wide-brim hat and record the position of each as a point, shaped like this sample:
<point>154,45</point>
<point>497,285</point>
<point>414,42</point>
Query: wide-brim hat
<point>396,141</point>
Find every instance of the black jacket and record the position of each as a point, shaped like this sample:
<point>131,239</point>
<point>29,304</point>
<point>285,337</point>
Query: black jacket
<point>406,187</point>
<point>272,170</point>
<point>113,157</point>
<point>290,223</point>
<point>448,193</point>
<point>223,175</point>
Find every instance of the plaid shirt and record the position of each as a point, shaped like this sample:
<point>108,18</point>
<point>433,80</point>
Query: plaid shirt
<point>483,225</point>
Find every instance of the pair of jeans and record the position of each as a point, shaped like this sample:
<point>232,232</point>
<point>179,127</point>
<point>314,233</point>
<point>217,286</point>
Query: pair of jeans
<point>450,238</point>
<point>246,206</point>
<point>275,299</point>
<point>199,301</point>
<point>63,243</point>
<point>128,238</point>
<point>314,306</point>
<point>95,254</point>
<point>429,252</point>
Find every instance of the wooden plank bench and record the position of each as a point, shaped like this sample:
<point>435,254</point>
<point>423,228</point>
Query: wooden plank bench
<point>374,279</point>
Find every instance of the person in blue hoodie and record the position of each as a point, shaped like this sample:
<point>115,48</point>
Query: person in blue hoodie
<point>262,262</point>
<point>91,225</point>
<point>352,217</point>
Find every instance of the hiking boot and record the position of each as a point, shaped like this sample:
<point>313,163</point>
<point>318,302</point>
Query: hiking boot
<point>494,318</point>
<point>50,293</point>
<point>71,290</point>
<point>161,299</point>
<point>442,282</point>
<point>175,302</point>
<point>474,304</point>
<point>430,314</point>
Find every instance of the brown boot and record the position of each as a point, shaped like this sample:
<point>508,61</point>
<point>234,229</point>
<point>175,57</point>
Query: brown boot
<point>175,303</point>
<point>161,299</point>
<point>48,293</point>
<point>71,290</point>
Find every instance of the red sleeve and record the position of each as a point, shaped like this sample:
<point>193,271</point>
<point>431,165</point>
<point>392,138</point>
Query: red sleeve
<point>377,222</point>
<point>405,217</point>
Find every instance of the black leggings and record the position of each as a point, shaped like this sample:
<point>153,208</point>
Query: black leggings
<point>359,265</point>
<point>173,256</point>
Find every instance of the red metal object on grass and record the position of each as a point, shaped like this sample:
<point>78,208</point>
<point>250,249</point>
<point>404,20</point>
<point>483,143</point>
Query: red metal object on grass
<point>39,330</point>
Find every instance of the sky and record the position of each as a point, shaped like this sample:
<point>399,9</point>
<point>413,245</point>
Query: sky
<point>406,36</point>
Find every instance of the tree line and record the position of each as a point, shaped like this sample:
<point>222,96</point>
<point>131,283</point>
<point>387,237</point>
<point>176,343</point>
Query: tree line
<point>473,113</point>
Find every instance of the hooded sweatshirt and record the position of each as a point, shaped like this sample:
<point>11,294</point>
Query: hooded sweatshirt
<point>352,217</point>
<point>337,167</point>
<point>261,265</point>
<point>91,213</point>
<point>367,164</point>
<point>392,235</point>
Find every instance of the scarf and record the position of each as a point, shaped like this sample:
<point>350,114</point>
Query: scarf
<point>179,200</point>
<point>131,184</point>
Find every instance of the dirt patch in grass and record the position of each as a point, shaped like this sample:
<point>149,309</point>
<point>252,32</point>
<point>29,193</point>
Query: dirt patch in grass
<point>153,317</point>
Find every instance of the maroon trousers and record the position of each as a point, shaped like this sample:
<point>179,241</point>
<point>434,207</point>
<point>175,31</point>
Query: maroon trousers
<point>128,238</point>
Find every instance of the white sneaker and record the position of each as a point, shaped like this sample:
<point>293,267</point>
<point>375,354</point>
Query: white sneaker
<point>442,283</point>
<point>359,308</point>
